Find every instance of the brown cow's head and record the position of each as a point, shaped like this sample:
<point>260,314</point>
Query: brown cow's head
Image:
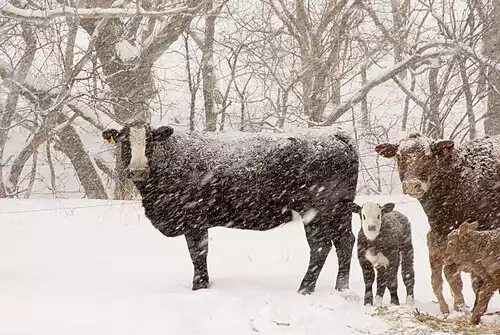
<point>416,157</point>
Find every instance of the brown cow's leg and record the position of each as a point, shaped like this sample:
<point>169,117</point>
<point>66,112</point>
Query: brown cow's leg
<point>436,263</point>
<point>485,293</point>
<point>452,274</point>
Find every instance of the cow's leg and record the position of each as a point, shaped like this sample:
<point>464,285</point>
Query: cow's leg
<point>436,263</point>
<point>344,239</point>
<point>319,245</point>
<point>197,243</point>
<point>368,276</point>
<point>452,274</point>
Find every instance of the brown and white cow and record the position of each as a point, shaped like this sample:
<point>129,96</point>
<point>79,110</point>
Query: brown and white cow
<point>453,184</point>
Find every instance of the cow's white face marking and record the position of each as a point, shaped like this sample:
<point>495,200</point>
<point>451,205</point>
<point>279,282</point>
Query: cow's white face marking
<point>377,259</point>
<point>137,140</point>
<point>371,220</point>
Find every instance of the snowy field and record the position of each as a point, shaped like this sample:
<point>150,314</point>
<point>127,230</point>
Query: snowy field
<point>79,266</point>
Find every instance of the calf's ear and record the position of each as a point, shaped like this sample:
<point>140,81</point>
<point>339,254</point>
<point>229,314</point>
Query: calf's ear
<point>387,150</point>
<point>355,208</point>
<point>442,147</point>
<point>388,207</point>
<point>467,226</point>
<point>162,133</point>
<point>111,135</point>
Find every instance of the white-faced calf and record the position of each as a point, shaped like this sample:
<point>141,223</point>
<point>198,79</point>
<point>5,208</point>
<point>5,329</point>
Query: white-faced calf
<point>384,242</point>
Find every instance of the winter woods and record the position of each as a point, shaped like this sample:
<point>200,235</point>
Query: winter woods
<point>377,68</point>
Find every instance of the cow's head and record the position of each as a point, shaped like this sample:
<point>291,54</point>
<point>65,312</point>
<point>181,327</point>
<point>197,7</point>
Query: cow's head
<point>459,240</point>
<point>371,217</point>
<point>136,140</point>
<point>416,157</point>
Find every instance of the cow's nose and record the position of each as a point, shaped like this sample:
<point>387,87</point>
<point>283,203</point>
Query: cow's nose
<point>372,228</point>
<point>137,175</point>
<point>412,187</point>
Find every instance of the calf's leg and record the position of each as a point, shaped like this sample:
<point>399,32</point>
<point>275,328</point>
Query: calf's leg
<point>486,291</point>
<point>381,285</point>
<point>408,270</point>
<point>392,277</point>
<point>368,276</point>
<point>197,242</point>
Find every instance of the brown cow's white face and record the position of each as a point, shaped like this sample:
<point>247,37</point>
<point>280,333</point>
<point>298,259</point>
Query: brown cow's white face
<point>416,158</point>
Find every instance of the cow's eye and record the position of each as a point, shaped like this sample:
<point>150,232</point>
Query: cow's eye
<point>378,217</point>
<point>364,217</point>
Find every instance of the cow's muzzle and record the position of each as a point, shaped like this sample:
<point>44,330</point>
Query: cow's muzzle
<point>414,188</point>
<point>137,175</point>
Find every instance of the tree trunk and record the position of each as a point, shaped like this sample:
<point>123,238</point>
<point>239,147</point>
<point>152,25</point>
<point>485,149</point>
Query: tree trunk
<point>208,69</point>
<point>491,46</point>
<point>72,146</point>
<point>18,77</point>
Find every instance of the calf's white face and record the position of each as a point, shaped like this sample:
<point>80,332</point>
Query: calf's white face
<point>371,220</point>
<point>137,138</point>
<point>371,215</point>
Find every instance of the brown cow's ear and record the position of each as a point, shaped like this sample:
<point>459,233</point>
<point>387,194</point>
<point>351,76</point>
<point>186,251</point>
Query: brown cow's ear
<point>387,150</point>
<point>442,147</point>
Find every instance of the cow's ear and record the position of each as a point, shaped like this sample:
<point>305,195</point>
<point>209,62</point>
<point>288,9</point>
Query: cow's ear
<point>467,226</point>
<point>388,207</point>
<point>162,133</point>
<point>387,150</point>
<point>111,135</point>
<point>442,147</point>
<point>355,208</point>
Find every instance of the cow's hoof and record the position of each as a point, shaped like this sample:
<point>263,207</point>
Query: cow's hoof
<point>306,290</point>
<point>395,302</point>
<point>410,300</point>
<point>200,285</point>
<point>369,302</point>
<point>474,320</point>
<point>342,285</point>
<point>443,307</point>
<point>462,307</point>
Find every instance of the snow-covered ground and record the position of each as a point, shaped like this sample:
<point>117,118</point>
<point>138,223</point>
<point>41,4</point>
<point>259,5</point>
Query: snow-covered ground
<point>80,266</point>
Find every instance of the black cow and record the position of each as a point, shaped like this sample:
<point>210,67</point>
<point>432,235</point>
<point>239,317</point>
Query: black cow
<point>190,182</point>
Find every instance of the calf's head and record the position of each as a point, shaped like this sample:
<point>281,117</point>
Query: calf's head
<point>136,140</point>
<point>417,158</point>
<point>459,243</point>
<point>371,217</point>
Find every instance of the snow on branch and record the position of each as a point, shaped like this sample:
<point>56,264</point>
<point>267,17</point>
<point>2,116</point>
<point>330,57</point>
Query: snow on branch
<point>411,60</point>
<point>88,13</point>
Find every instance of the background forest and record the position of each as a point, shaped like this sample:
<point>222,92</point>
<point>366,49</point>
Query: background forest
<point>378,68</point>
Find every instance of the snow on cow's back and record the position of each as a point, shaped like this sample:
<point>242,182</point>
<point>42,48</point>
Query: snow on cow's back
<point>480,159</point>
<point>235,144</point>
<point>235,148</point>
